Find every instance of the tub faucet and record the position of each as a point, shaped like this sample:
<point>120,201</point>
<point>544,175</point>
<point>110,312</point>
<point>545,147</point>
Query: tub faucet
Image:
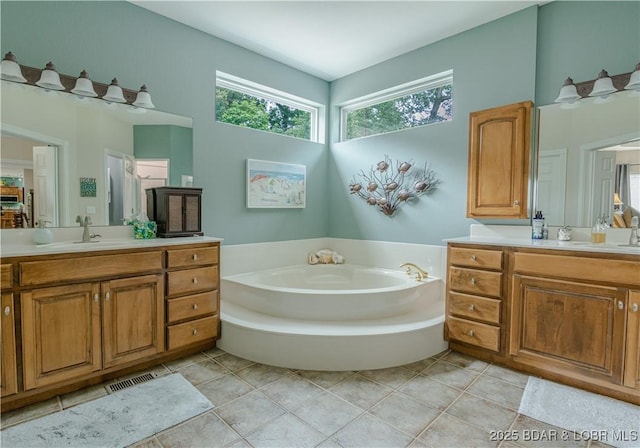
<point>421,274</point>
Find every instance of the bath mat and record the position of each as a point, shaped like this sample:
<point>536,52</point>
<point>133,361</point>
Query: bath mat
<point>593,416</point>
<point>116,420</point>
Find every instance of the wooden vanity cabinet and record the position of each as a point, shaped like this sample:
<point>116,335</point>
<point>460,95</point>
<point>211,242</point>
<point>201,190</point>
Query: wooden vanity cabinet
<point>8,365</point>
<point>632,348</point>
<point>499,161</point>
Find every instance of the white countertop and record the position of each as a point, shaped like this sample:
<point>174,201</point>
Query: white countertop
<point>585,246</point>
<point>68,242</point>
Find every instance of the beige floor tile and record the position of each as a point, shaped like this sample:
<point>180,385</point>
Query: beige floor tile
<point>30,412</point>
<point>259,375</point>
<point>369,431</point>
<point>222,390</point>
<point>232,363</point>
<point>404,413</point>
<point>327,413</point>
<point>151,442</point>
<point>291,391</point>
<point>450,374</point>
<point>285,431</point>
<point>419,366</point>
<point>483,413</point>
<point>214,352</point>
<point>82,396</point>
<point>503,393</point>
<point>249,412</point>
<point>448,431</point>
<point>360,391</point>
<point>177,364</point>
<point>203,431</point>
<point>430,392</point>
<point>535,434</point>
<point>239,443</point>
<point>510,376</point>
<point>465,361</point>
<point>201,372</point>
<point>323,378</point>
<point>393,377</point>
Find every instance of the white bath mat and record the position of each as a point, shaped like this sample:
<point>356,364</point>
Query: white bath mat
<point>610,421</point>
<point>116,420</point>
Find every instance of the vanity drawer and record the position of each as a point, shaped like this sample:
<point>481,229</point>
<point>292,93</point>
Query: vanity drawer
<point>189,307</point>
<point>474,333</point>
<point>474,307</point>
<point>193,331</point>
<point>196,256</point>
<point>476,282</point>
<point>6,279</point>
<point>476,258</point>
<point>192,280</point>
<point>89,267</point>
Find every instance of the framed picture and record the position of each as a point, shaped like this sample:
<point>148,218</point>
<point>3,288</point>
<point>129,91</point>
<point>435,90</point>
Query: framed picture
<point>275,184</point>
<point>88,187</point>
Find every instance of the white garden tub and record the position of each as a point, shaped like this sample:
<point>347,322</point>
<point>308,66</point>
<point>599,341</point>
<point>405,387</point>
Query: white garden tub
<point>331,317</point>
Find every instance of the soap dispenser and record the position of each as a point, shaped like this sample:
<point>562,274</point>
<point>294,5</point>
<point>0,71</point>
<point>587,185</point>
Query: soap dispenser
<point>43,234</point>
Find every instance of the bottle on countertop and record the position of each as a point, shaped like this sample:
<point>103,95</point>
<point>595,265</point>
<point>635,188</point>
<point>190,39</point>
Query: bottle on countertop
<point>545,231</point>
<point>43,234</point>
<point>538,225</point>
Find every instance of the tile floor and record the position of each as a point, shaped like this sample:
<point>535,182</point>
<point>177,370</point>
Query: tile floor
<point>449,400</point>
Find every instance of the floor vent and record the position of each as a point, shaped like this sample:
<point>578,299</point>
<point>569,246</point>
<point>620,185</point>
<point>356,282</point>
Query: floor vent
<point>130,382</point>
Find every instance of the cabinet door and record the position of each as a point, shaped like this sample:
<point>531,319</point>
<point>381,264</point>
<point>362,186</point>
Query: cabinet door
<point>60,333</point>
<point>8,374</point>
<point>632,347</point>
<point>568,327</point>
<point>133,318</point>
<point>499,141</point>
<point>192,213</point>
<point>175,211</point>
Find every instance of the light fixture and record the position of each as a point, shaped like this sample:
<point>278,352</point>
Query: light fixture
<point>114,93</point>
<point>143,99</point>
<point>617,202</point>
<point>84,86</point>
<point>603,85</point>
<point>50,79</point>
<point>568,92</point>
<point>634,80</point>
<point>10,70</point>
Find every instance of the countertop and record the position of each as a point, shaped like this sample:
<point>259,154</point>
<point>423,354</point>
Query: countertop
<point>585,246</point>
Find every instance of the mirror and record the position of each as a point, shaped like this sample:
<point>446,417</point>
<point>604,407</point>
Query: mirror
<point>70,156</point>
<point>580,148</point>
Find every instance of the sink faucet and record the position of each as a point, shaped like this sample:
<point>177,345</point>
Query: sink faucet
<point>421,274</point>
<point>85,223</point>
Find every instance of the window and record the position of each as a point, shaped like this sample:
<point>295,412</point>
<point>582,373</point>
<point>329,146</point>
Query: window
<point>424,101</point>
<point>245,103</point>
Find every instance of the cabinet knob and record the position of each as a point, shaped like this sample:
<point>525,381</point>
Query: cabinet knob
<point>620,305</point>
<point>473,281</point>
<point>195,306</point>
<point>195,280</point>
<point>194,257</point>
<point>7,310</point>
<point>96,297</point>
<point>471,333</point>
<point>195,332</point>
<point>474,258</point>
<point>634,307</point>
<point>472,307</point>
<point>107,296</point>
<point>516,202</point>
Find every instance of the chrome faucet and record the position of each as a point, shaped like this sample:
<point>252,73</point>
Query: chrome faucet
<point>85,223</point>
<point>420,273</point>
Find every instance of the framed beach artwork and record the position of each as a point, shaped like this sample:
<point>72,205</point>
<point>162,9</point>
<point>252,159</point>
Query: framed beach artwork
<point>275,184</point>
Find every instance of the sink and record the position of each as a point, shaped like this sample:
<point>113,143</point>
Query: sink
<point>629,245</point>
<point>85,242</point>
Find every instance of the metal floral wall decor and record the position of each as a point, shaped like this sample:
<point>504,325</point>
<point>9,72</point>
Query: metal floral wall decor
<point>386,188</point>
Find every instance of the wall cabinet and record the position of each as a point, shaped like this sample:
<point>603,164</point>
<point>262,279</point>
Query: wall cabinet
<point>176,210</point>
<point>101,313</point>
<point>570,317</point>
<point>499,161</point>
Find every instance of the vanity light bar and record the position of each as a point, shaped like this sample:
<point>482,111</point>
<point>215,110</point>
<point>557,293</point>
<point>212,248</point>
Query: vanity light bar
<point>594,87</point>
<point>69,84</point>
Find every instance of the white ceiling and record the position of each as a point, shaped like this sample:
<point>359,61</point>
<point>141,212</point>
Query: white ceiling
<point>331,39</point>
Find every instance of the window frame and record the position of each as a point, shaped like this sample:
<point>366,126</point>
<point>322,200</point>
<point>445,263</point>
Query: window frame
<point>392,93</point>
<point>316,110</point>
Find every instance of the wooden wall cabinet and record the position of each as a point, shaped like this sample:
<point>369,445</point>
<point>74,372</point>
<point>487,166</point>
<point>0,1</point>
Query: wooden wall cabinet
<point>499,162</point>
<point>176,210</point>
<point>572,317</point>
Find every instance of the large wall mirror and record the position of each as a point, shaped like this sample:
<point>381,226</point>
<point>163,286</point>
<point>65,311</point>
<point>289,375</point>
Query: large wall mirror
<point>589,161</point>
<point>63,156</point>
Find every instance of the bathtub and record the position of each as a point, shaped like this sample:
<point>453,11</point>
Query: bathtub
<point>331,317</point>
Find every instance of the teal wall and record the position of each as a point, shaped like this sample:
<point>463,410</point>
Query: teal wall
<point>523,56</point>
<point>178,64</point>
<point>166,142</point>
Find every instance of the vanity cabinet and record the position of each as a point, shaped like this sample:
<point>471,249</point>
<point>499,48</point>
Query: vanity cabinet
<point>8,366</point>
<point>499,161</point>
<point>474,297</point>
<point>568,316</point>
